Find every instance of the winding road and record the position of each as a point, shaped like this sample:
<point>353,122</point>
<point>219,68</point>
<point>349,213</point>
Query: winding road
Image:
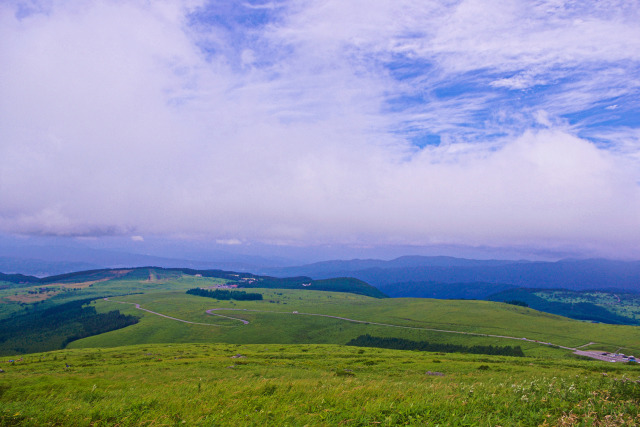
<point>246,322</point>
<point>164,315</point>
<point>595,355</point>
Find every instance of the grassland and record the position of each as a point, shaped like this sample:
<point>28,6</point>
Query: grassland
<point>223,384</point>
<point>14,300</point>
<point>272,320</point>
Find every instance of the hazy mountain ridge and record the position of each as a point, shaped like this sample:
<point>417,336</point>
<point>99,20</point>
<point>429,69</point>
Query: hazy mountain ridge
<point>43,262</point>
<point>567,274</point>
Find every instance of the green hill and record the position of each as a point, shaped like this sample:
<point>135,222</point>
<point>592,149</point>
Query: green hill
<point>17,279</point>
<point>295,316</point>
<point>322,317</point>
<point>342,284</point>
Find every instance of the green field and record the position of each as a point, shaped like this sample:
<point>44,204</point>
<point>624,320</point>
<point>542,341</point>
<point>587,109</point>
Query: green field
<point>273,321</point>
<point>295,368</point>
<point>204,384</point>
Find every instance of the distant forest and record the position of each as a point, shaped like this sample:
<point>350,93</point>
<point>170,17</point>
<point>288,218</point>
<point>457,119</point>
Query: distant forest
<point>222,294</point>
<point>403,344</point>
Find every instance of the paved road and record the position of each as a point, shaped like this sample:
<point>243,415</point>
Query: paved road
<point>600,355</point>
<point>162,315</point>
<point>586,345</point>
<point>246,322</point>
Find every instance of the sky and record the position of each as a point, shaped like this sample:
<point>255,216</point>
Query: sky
<point>387,123</point>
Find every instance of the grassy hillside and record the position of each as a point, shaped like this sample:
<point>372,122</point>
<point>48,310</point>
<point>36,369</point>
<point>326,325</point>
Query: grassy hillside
<point>273,320</point>
<point>231,385</point>
<point>41,296</point>
<point>338,284</point>
<point>32,290</point>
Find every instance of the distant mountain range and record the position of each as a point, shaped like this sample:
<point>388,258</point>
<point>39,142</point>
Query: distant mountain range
<point>407,276</point>
<point>397,276</point>
<point>45,261</point>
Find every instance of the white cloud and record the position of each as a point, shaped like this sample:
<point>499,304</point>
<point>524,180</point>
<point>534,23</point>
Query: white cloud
<point>114,121</point>
<point>232,242</point>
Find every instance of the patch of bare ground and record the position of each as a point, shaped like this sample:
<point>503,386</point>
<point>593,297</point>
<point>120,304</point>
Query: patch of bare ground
<point>31,298</point>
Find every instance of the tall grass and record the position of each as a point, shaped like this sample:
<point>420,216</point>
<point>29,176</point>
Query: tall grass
<point>203,384</point>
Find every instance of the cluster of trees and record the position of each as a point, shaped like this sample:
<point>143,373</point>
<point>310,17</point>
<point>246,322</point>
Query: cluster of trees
<point>54,327</point>
<point>517,302</point>
<point>40,291</point>
<point>223,294</point>
<point>99,323</point>
<point>403,344</point>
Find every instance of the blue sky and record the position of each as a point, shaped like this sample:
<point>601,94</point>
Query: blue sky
<point>489,124</point>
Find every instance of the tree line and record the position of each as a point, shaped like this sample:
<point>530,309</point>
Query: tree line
<point>223,294</point>
<point>403,344</point>
<point>54,327</point>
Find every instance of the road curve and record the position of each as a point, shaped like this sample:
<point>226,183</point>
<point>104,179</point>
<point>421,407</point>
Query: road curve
<point>163,315</point>
<point>246,322</point>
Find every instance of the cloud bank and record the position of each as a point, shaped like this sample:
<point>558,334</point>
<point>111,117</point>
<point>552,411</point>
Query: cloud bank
<point>398,122</point>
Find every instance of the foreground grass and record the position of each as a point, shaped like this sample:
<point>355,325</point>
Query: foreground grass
<point>273,384</point>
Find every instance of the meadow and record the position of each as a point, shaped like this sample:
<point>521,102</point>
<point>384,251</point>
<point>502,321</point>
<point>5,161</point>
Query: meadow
<point>280,385</point>
<point>272,320</point>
